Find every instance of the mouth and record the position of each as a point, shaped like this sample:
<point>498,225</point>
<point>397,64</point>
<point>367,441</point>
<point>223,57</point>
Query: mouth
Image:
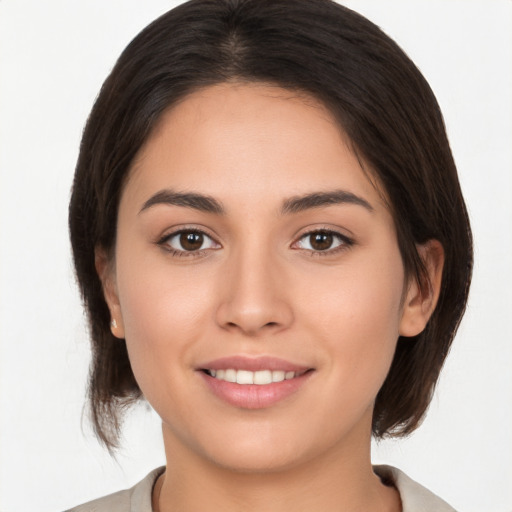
<point>260,377</point>
<point>254,383</point>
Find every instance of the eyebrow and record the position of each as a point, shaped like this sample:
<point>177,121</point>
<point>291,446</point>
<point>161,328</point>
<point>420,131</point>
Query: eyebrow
<point>208,204</point>
<point>193,200</point>
<point>320,199</point>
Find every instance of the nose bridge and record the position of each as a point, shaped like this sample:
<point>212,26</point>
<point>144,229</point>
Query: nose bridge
<point>254,298</point>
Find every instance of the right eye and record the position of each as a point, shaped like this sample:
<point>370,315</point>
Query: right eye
<point>188,241</point>
<point>323,242</point>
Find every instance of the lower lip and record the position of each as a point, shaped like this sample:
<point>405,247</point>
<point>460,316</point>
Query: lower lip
<point>254,396</point>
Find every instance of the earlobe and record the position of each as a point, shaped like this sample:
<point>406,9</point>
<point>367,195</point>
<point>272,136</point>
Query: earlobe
<point>421,298</point>
<point>106,273</point>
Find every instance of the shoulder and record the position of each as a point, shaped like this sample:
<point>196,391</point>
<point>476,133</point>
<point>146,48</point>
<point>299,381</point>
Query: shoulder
<point>415,497</point>
<point>136,498</point>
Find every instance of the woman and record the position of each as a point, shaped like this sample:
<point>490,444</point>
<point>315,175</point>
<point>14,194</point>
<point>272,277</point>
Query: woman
<point>273,250</point>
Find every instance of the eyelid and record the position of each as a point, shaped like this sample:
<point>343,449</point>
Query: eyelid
<point>346,241</point>
<point>163,240</point>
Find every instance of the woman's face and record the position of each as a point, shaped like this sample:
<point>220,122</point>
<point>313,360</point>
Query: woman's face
<point>251,246</point>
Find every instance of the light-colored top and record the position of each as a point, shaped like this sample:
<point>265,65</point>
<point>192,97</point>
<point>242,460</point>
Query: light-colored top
<point>415,498</point>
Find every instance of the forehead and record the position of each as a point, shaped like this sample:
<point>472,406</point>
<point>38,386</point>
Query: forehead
<point>236,140</point>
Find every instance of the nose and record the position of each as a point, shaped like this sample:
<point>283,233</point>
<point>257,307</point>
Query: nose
<point>254,298</point>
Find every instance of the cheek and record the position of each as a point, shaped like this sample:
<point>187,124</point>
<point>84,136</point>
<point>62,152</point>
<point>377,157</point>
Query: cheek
<point>163,309</point>
<point>356,313</point>
<point>362,296</point>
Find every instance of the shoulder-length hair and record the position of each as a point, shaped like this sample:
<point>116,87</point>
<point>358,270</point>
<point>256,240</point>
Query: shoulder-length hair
<point>380,100</point>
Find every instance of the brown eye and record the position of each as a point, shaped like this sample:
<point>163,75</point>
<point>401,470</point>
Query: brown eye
<point>321,240</point>
<point>191,241</point>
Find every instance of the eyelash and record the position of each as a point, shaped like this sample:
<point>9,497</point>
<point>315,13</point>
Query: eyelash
<point>164,243</point>
<point>344,243</point>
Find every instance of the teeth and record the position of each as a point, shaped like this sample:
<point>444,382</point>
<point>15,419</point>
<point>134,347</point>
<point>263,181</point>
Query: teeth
<point>277,376</point>
<point>260,377</point>
<point>244,377</point>
<point>230,375</point>
<point>263,377</point>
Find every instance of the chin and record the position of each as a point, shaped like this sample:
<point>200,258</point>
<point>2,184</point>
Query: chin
<point>256,461</point>
<point>259,451</point>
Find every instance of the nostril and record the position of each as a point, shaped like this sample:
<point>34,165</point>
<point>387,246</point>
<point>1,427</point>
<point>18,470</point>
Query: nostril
<point>252,318</point>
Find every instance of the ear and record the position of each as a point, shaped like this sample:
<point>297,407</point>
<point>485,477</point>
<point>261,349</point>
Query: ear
<point>421,298</point>
<point>105,269</point>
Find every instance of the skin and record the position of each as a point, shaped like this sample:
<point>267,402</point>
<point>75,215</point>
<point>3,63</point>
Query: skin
<point>258,287</point>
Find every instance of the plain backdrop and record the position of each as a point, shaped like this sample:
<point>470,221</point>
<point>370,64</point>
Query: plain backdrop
<point>54,56</point>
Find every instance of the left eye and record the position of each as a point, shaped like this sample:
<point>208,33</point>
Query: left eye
<point>322,241</point>
<point>189,241</point>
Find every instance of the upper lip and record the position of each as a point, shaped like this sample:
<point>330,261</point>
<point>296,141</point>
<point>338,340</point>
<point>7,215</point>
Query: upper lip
<point>253,364</point>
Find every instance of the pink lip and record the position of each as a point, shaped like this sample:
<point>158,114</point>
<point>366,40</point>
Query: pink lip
<point>254,396</point>
<point>253,364</point>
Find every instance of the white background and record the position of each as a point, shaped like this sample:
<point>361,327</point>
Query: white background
<point>54,57</point>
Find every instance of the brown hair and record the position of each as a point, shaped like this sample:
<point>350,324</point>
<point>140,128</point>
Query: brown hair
<point>381,101</point>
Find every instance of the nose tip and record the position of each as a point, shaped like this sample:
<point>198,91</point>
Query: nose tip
<point>254,301</point>
<point>254,320</point>
<point>252,323</point>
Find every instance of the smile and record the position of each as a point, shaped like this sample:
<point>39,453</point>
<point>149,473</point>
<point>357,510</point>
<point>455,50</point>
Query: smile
<point>261,377</point>
<point>254,382</point>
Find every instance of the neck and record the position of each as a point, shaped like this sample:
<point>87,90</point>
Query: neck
<point>337,481</point>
